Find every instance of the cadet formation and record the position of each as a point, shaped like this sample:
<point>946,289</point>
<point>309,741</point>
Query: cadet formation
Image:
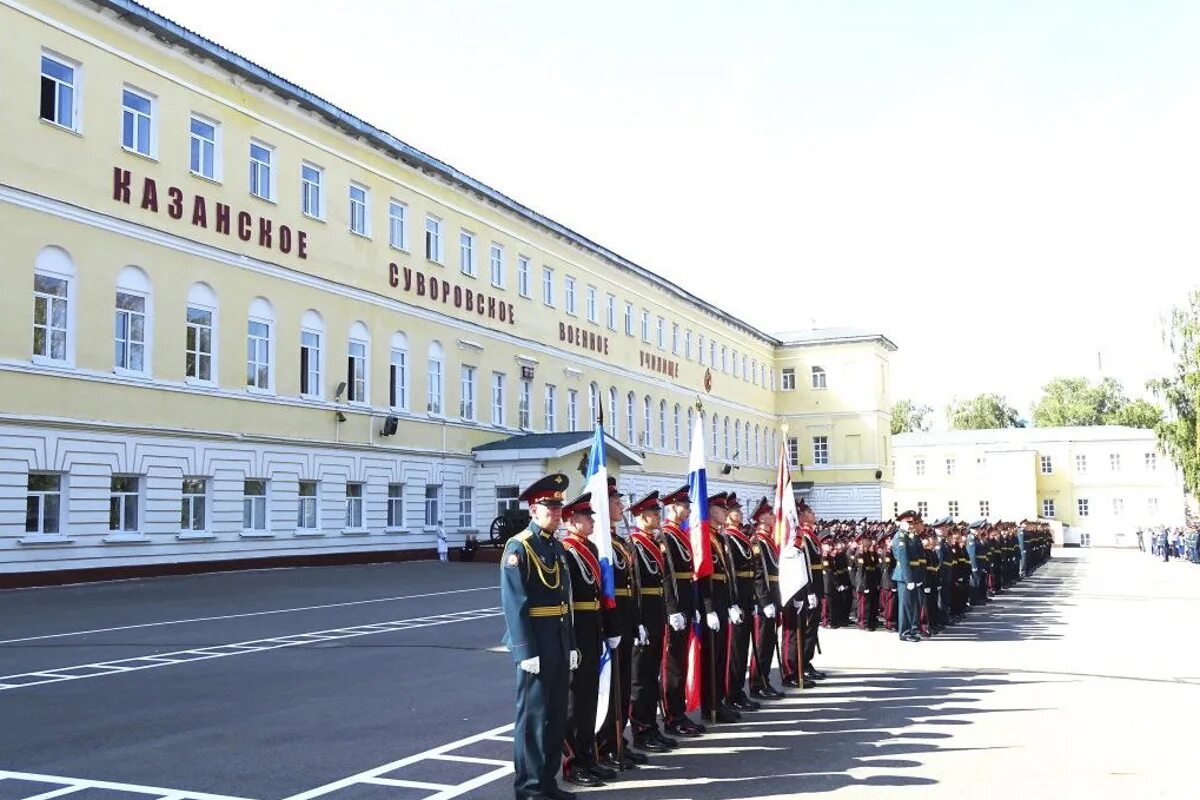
<point>906,576</point>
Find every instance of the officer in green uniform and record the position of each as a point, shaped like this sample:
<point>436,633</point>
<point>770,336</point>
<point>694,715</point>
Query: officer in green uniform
<point>534,594</point>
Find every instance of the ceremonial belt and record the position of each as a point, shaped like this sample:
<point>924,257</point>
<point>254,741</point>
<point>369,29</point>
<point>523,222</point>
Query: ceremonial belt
<point>745,573</point>
<point>623,592</point>
<point>719,576</point>
<point>587,605</point>
<point>548,611</point>
<point>651,591</point>
<point>818,566</point>
<point>683,576</point>
<point>773,578</point>
<point>914,563</point>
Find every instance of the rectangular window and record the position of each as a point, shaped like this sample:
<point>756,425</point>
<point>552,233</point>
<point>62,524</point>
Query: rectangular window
<point>923,508</point>
<point>356,371</point>
<point>1118,506</point>
<point>1114,462</point>
<point>949,466</point>
<point>258,355</point>
<point>395,506</point>
<point>354,506</point>
<point>130,333</point>
<point>818,378</point>
<point>687,345</point>
<point>920,467</point>
<point>985,508</point>
<point>467,404</point>
<point>952,508</point>
<point>204,149</point>
<point>433,239</point>
<point>398,374</point>
<point>137,118</point>
<point>789,379</point>
<point>820,449</point>
<point>725,359</point>
<point>398,225</point>
<point>261,173</point>
<point>1151,462</point>
<point>675,338</point>
<point>50,317</point>
<point>199,344</point>
<point>43,503</point>
<point>466,253</point>
<point>506,499</point>
<point>793,445</point>
<point>306,507</point>
<point>466,507</point>
<point>629,319</point>
<point>359,210</point>
<point>433,392</point>
<point>645,326</point>
<point>700,351</point>
<point>610,312</point>
<point>496,265</point>
<point>569,294</point>
<point>254,505</point>
<point>433,514</point>
<point>591,304</point>
<point>123,503</point>
<point>572,410</point>
<point>551,406</point>
<point>662,334</point>
<point>1048,508</point>
<point>524,402</point>
<point>497,398</point>
<point>310,363</point>
<point>548,286</point>
<point>192,515</point>
<point>59,92</point>
<point>1047,465</point>
<point>1081,464</point>
<point>312,191</point>
<point>523,287</point>
<point>1081,507</point>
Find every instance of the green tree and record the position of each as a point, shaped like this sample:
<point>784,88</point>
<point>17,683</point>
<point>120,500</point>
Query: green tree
<point>908,417</point>
<point>988,410</point>
<point>1178,434</point>
<point>1138,414</point>
<point>1078,401</point>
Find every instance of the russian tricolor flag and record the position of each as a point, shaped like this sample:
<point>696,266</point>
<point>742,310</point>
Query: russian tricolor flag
<point>699,531</point>
<point>596,482</point>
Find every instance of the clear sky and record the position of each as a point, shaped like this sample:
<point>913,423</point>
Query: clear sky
<point>1009,189</point>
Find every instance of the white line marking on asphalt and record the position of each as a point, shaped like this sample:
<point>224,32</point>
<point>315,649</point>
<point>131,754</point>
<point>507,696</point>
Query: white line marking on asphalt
<point>487,762</point>
<point>402,784</point>
<point>247,614</point>
<point>68,785</point>
<point>55,793</point>
<point>125,665</point>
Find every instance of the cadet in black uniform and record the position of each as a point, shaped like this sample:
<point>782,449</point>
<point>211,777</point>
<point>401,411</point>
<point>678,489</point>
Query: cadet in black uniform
<point>716,601</point>
<point>740,551</point>
<point>680,606</point>
<point>535,597</point>
<point>655,572</point>
<point>766,595</point>
<point>867,580</point>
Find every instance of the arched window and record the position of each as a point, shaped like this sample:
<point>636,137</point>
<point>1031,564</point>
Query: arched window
<point>678,437</point>
<point>757,446</point>
<point>398,372</point>
<point>200,337</point>
<point>746,444</point>
<point>134,319</point>
<point>435,387</point>
<point>357,357</point>
<point>818,377</point>
<point>594,402</point>
<point>662,424</point>
<point>312,353</point>
<point>646,439</point>
<point>726,432</point>
<point>716,439</point>
<point>691,423</point>
<point>737,437</point>
<point>260,345</point>
<point>630,419</point>
<point>53,306</point>
<point>613,419</point>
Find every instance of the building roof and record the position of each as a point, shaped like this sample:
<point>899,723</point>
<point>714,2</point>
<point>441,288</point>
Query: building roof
<point>815,336</point>
<point>1025,436</point>
<point>552,445</point>
<point>175,34</point>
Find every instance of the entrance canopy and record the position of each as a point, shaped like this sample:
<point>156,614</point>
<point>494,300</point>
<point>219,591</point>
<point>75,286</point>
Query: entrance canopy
<point>552,446</point>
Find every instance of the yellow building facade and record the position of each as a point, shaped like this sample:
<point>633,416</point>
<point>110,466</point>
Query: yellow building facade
<point>240,322</point>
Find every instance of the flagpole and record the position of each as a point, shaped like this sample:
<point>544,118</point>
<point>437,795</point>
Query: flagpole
<point>616,704</point>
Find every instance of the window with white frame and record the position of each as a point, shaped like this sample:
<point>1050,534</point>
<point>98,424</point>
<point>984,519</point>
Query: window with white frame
<point>820,450</point>
<point>572,410</point>
<point>395,506</point>
<point>307,518</point>
<point>569,294</point>
<point>50,318</point>
<point>194,506</point>
<point>434,390</point>
<point>691,427</point>
<point>1118,506</point>
<point>646,426</point>
<point>466,408</point>
<point>716,436</point>
<point>745,367</point>
<point>254,505</point>
<point>466,506</point>
<point>548,286</point>
<point>919,464</point>
<point>1048,507</point>
<point>137,121</point>
<point>60,92</point>
<point>793,446</point>
<point>818,378</point>
<point>523,279</point>
<point>356,371</point>
<point>1151,462</point>
<point>354,506</point>
<point>525,404</point>
<point>949,466</point>
<point>550,407</point>
<point>985,508</point>
<point>662,424</point>
<point>678,438</point>
<point>433,239</point>
<point>359,210</point>
<point>687,345</point>
<point>398,372</point>
<point>590,301</point>
<point>123,503</point>
<point>1114,462</point>
<point>700,351</point>
<point>1081,507</point>
<point>645,326</point>
<point>1152,506</point>
<point>733,361</point>
<point>497,398</point>
<point>130,332</point>
<point>433,515</point>
<point>204,151</point>
<point>506,499</point>
<point>629,319</point>
<point>398,225</point>
<point>661,327</point>
<point>496,265</point>
<point>675,338</point>
<point>923,508</point>
<point>312,190</point>
<point>630,418</point>
<point>310,362</point>
<point>613,419</point>
<point>1081,463</point>
<point>198,343</point>
<point>610,312</point>
<point>952,508</point>
<point>466,253</point>
<point>262,172</point>
<point>593,401</point>
<point>43,503</point>
<point>1047,465</point>
<point>725,359</point>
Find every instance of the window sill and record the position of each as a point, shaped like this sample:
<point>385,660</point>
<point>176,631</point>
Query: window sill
<point>436,415</point>
<point>61,127</point>
<point>45,539</point>
<point>359,234</point>
<point>127,538</point>
<point>129,151</point>
<point>195,536</point>
<point>52,363</point>
<point>314,217</point>
<point>256,535</point>
<point>267,200</point>
<point>400,249</point>
<point>466,274</point>
<point>200,382</point>
<point>200,176</point>
<point>356,532</point>
<point>260,392</point>
<point>435,261</point>
<point>129,373</point>
<point>396,531</point>
<point>309,533</point>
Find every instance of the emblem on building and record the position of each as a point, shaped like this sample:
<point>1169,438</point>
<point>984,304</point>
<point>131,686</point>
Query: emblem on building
<point>708,380</point>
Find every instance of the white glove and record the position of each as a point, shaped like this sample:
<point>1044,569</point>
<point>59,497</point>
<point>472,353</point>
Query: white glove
<point>613,642</point>
<point>974,570</point>
<point>644,637</point>
<point>926,590</point>
<point>911,586</point>
<point>735,615</point>
<point>797,604</point>
<point>812,601</point>
<point>574,660</point>
<point>532,665</point>
<point>769,611</point>
<point>697,616</point>
<point>842,588</point>
<point>714,622</point>
<point>677,622</point>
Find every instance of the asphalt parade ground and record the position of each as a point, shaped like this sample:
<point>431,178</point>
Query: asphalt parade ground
<point>387,683</point>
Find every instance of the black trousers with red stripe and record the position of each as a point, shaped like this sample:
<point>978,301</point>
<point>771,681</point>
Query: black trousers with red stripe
<point>739,654</point>
<point>644,695</point>
<point>714,662</point>
<point>868,608</point>
<point>764,651</point>
<point>674,675</point>
<point>579,745</point>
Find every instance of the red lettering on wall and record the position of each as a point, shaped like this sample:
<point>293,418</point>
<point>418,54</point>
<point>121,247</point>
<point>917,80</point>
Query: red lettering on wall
<point>302,244</point>
<point>222,218</point>
<point>393,271</point>
<point>285,239</point>
<point>264,232</point>
<point>150,195</point>
<point>245,223</point>
<point>199,212</point>
<point>121,179</point>
<point>433,288</point>
<point>175,207</point>
<point>458,297</point>
<point>421,284</point>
